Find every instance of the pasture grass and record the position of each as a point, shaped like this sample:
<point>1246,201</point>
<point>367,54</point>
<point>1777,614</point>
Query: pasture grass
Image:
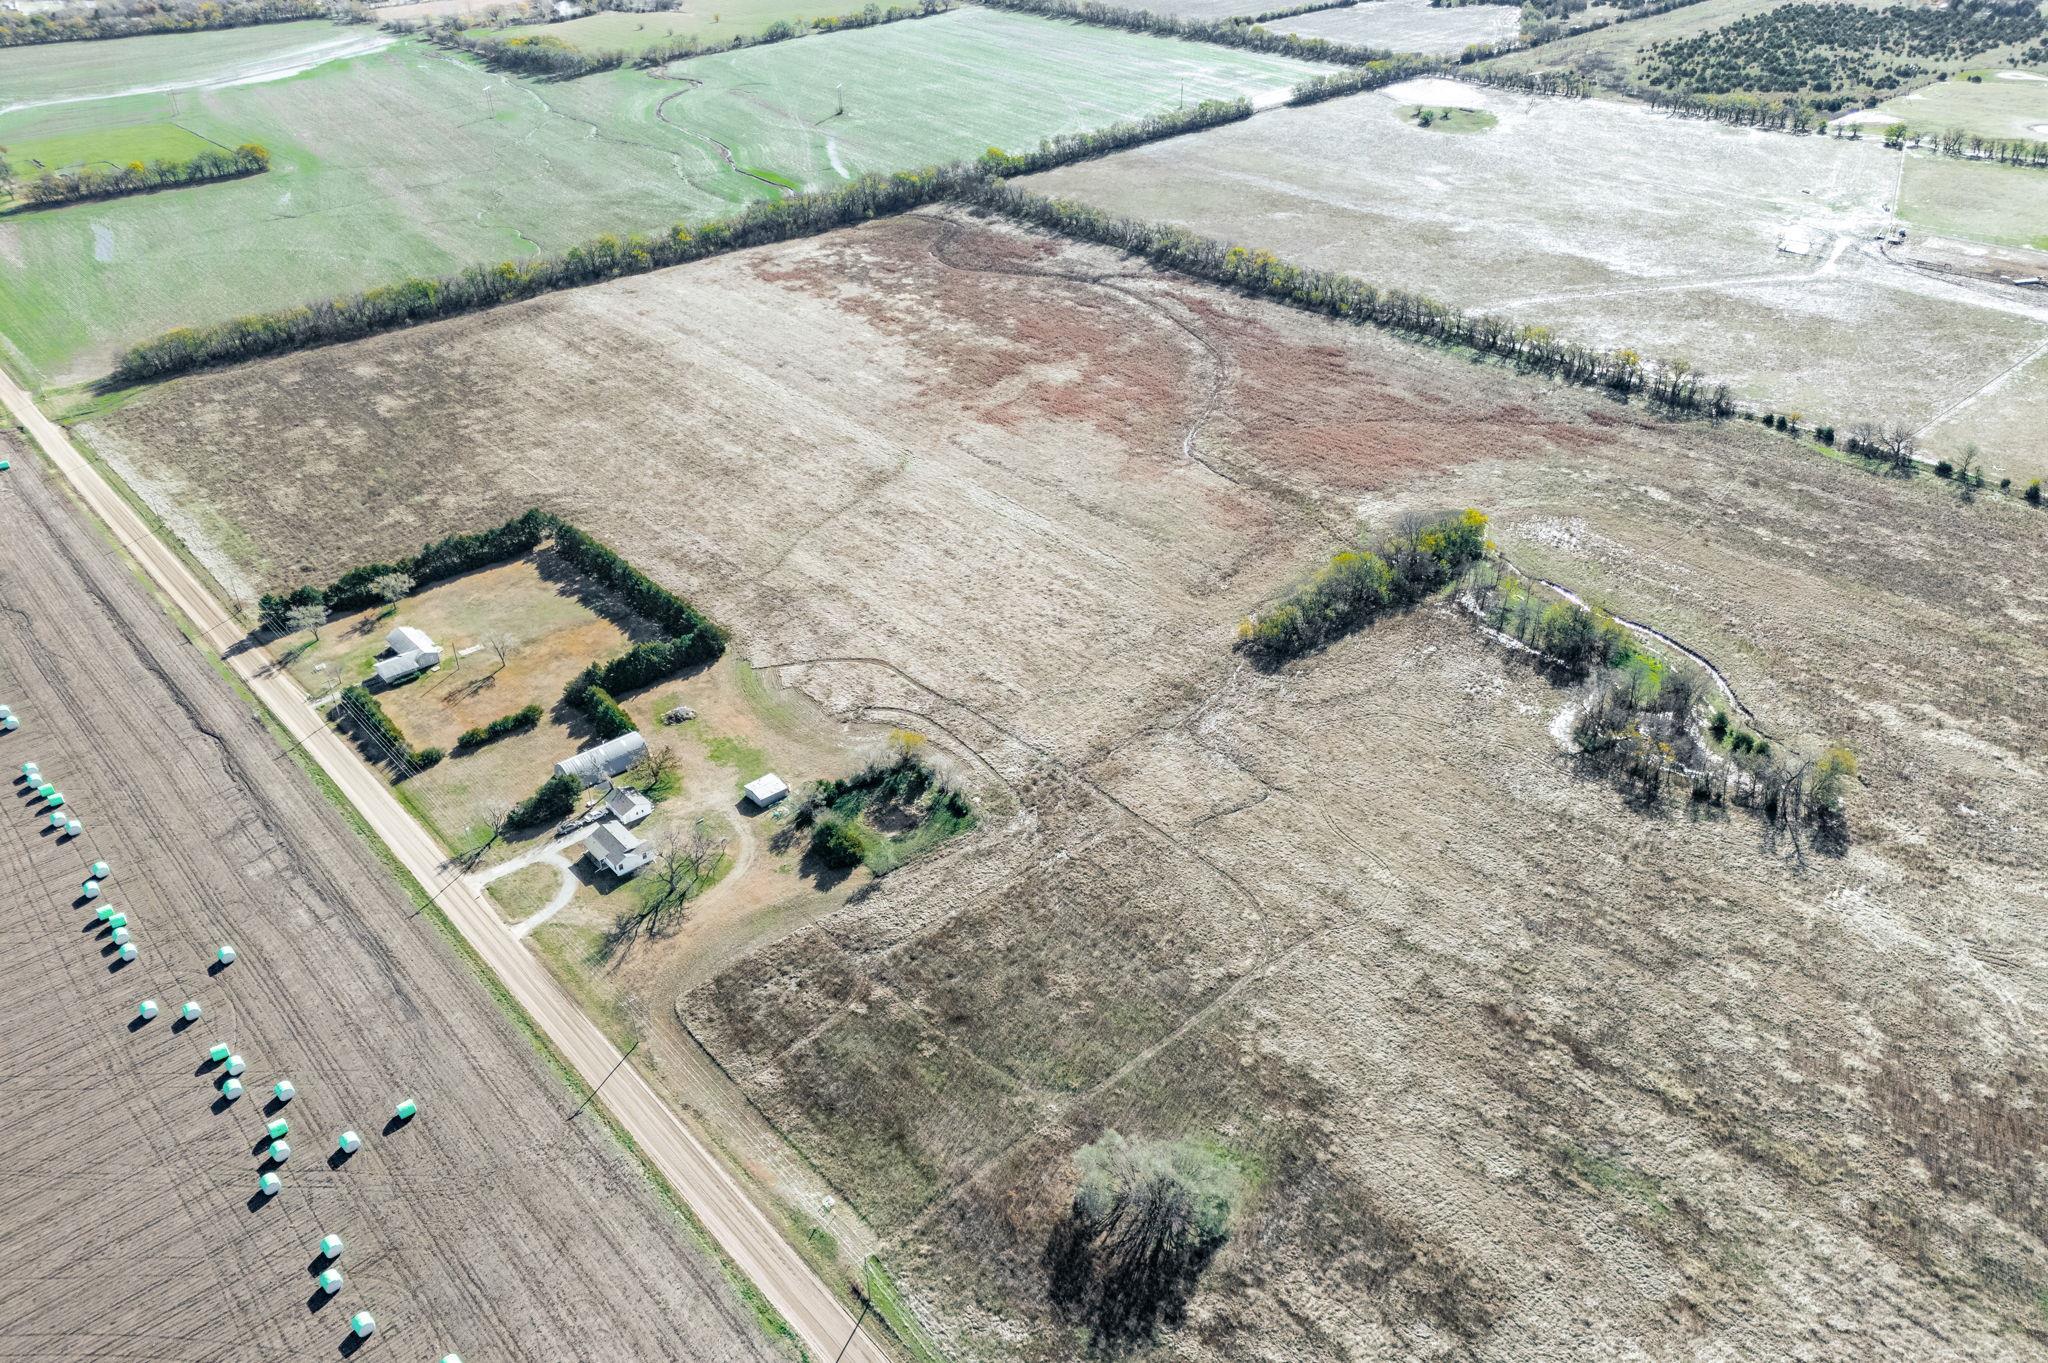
<point>1977,200</point>
<point>1998,104</point>
<point>1445,119</point>
<point>715,22</point>
<point>113,146</point>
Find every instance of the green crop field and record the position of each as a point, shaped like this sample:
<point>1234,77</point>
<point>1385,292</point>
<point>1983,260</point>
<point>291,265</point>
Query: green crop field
<point>111,146</point>
<point>408,159</point>
<point>50,76</point>
<point>2005,205</point>
<point>714,22</point>
<point>2000,104</point>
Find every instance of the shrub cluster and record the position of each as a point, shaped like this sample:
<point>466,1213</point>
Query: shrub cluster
<point>137,177</point>
<point>362,707</point>
<point>444,558</point>
<point>127,18</point>
<point>556,799</point>
<point>1673,383</point>
<point>1358,584</point>
<point>504,726</point>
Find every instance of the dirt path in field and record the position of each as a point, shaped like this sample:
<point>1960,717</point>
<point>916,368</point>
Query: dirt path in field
<point>733,1220</point>
<point>661,113</point>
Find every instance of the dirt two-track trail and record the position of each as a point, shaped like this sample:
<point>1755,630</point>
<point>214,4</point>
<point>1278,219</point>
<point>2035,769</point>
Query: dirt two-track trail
<point>499,1223</point>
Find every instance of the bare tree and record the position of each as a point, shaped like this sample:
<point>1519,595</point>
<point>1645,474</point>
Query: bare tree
<point>674,879</point>
<point>501,820</point>
<point>389,587</point>
<point>655,770</point>
<point>308,617</point>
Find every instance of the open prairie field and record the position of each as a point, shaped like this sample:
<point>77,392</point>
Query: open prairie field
<point>2000,104</point>
<point>1750,254</point>
<point>54,75</point>
<point>1408,25</point>
<point>713,21</point>
<point>1508,1068</point>
<point>488,1225</point>
<point>407,159</point>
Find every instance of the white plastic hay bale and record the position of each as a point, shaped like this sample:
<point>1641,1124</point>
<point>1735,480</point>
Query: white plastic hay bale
<point>283,1090</point>
<point>30,772</point>
<point>121,936</point>
<point>219,1052</point>
<point>277,1128</point>
<point>231,1090</point>
<point>226,954</point>
<point>236,1064</point>
<point>450,1358</point>
<point>363,1323</point>
<point>146,1009</point>
<point>349,1143</point>
<point>57,821</point>
<point>190,1012</point>
<point>116,919</point>
<point>331,1246</point>
<point>103,912</point>
<point>128,951</point>
<point>100,870</point>
<point>90,889</point>
<point>6,713</point>
<point>72,828</point>
<point>269,1184</point>
<point>44,790</point>
<point>10,724</point>
<point>331,1280</point>
<point>280,1151</point>
<point>406,1109</point>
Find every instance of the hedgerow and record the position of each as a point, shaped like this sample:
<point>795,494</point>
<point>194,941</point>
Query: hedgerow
<point>359,705</point>
<point>52,188</point>
<point>504,726</point>
<point>114,19</point>
<point>444,558</point>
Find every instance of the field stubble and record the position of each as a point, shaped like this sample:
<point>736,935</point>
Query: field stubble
<point>1518,1072</point>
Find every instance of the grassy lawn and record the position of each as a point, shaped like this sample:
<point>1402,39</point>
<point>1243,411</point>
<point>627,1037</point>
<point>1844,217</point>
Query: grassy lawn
<point>1998,104</point>
<point>1439,118</point>
<point>525,892</point>
<point>1984,202</point>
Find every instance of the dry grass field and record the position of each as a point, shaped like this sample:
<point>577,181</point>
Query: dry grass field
<point>1750,254</point>
<point>1513,1071</point>
<point>487,1226</point>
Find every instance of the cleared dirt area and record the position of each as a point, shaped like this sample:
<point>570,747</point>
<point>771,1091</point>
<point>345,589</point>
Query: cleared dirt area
<point>1752,255</point>
<point>1514,1071</point>
<point>489,1225</point>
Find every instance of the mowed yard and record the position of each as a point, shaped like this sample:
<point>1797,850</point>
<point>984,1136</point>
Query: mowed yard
<point>1752,255</point>
<point>406,159</point>
<point>1488,1045</point>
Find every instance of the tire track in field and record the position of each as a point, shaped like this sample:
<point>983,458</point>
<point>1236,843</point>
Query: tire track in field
<point>661,114</point>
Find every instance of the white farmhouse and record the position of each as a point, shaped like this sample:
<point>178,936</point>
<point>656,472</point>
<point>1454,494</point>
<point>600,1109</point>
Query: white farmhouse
<point>627,805</point>
<point>405,639</point>
<point>412,653</point>
<point>615,848</point>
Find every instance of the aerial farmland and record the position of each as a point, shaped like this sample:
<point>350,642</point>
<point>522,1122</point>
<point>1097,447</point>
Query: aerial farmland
<point>1026,681</point>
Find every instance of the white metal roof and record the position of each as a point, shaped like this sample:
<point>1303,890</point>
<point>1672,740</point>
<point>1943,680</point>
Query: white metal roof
<point>767,790</point>
<point>613,840</point>
<point>606,759</point>
<point>406,639</point>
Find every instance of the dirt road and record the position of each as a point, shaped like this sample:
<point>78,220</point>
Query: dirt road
<point>741,1229</point>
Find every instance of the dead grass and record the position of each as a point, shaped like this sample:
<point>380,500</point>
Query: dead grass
<point>1524,1074</point>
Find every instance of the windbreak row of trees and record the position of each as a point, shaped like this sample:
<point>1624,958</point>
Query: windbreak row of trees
<point>1797,116</point>
<point>137,177</point>
<point>360,709</point>
<point>1673,383</point>
<point>1070,147</point>
<point>1368,77</point>
<point>1292,11</point>
<point>1224,32</point>
<point>128,18</point>
<point>442,559</point>
<point>1395,571</point>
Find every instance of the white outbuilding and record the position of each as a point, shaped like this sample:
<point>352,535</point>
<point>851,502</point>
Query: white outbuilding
<point>405,639</point>
<point>401,666</point>
<point>767,790</point>
<point>604,761</point>
<point>614,847</point>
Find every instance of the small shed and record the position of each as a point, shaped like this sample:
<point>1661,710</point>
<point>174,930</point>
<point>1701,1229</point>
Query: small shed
<point>405,639</point>
<point>767,791</point>
<point>628,806</point>
<point>614,847</point>
<point>604,761</point>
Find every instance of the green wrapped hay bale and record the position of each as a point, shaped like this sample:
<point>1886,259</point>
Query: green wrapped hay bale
<point>269,1184</point>
<point>363,1324</point>
<point>331,1246</point>
<point>146,1009</point>
<point>406,1109</point>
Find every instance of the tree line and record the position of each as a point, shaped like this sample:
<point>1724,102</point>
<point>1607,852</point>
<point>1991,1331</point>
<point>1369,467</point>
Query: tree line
<point>419,299</point>
<point>443,558</point>
<point>1395,571</point>
<point>1544,22</point>
<point>1371,76</point>
<point>545,55</point>
<point>131,18</point>
<point>1292,11</point>
<point>504,726</point>
<point>361,708</point>
<point>1224,32</point>
<point>1671,383</point>
<point>92,182</point>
